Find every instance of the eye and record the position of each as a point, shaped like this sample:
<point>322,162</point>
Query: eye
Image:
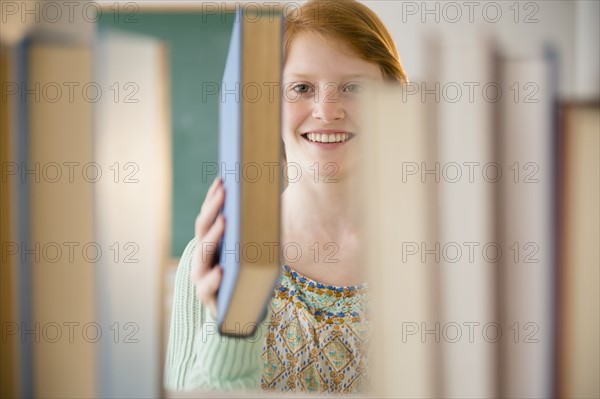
<point>301,88</point>
<point>354,88</point>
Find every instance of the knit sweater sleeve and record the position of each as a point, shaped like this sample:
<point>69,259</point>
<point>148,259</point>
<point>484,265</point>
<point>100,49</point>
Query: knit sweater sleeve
<point>198,357</point>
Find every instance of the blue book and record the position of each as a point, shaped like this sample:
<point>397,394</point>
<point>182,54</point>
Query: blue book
<point>250,160</point>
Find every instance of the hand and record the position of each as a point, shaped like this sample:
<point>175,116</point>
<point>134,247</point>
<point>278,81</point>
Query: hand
<point>209,229</point>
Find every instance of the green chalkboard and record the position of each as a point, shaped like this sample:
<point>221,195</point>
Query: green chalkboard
<point>197,46</point>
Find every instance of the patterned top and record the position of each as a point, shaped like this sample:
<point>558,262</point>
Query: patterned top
<point>315,339</point>
<point>318,337</point>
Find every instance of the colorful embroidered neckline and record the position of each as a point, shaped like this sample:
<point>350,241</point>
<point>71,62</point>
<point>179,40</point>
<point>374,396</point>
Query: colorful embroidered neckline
<point>329,303</point>
<point>306,282</point>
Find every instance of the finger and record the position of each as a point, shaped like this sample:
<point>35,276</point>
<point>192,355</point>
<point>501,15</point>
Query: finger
<point>213,186</point>
<point>212,195</point>
<point>206,249</point>
<point>208,212</point>
<point>206,289</point>
<point>213,281</point>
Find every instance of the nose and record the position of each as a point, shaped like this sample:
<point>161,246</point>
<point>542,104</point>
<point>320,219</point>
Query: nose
<point>328,105</point>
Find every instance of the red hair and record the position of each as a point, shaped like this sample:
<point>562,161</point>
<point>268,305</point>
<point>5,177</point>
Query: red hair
<point>354,24</point>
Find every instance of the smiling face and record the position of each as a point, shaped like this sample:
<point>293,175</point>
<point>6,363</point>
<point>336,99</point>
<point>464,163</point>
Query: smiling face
<point>322,84</point>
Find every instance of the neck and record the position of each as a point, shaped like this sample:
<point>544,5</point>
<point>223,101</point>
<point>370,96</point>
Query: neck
<point>327,206</point>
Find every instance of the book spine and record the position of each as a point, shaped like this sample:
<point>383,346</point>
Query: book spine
<point>466,220</point>
<point>527,220</point>
<point>132,209</point>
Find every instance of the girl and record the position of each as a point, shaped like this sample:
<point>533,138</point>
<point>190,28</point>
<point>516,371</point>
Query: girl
<point>316,336</point>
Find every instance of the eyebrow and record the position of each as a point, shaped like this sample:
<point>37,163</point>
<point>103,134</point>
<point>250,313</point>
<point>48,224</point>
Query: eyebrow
<point>345,77</point>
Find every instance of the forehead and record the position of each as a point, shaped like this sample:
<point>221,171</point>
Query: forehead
<point>311,55</point>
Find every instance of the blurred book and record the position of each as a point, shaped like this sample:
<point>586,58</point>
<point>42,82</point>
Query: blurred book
<point>132,208</point>
<point>398,213</point>
<point>9,271</point>
<point>250,157</point>
<point>59,133</point>
<point>579,267</point>
<point>88,232</point>
<point>466,244</point>
<point>526,143</point>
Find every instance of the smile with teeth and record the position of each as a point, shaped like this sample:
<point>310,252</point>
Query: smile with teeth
<point>328,137</point>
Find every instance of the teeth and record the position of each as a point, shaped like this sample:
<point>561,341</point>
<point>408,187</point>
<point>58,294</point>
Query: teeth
<point>328,138</point>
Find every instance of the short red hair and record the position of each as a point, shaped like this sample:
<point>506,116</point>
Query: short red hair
<point>354,24</point>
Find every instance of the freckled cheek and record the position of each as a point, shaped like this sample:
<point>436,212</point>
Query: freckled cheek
<point>294,115</point>
<point>355,113</point>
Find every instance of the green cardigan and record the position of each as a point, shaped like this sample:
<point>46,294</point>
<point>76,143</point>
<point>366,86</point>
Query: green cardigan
<point>198,357</point>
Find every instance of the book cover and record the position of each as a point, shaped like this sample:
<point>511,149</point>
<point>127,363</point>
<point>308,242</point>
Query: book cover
<point>249,145</point>
<point>579,260</point>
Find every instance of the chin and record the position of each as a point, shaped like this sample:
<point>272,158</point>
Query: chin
<point>333,172</point>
